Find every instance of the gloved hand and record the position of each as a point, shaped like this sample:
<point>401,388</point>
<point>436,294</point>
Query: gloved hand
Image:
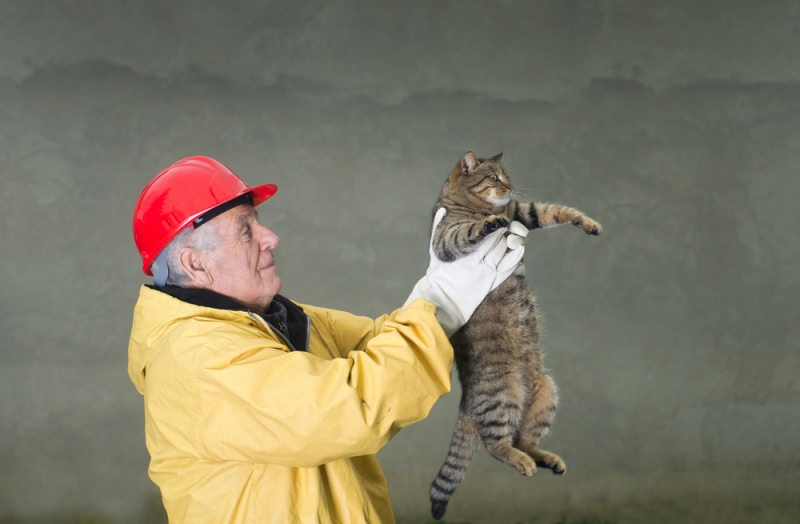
<point>457,288</point>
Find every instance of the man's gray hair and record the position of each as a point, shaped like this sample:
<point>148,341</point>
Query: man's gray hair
<point>203,239</point>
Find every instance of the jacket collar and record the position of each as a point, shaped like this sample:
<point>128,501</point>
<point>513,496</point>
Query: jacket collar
<point>297,323</point>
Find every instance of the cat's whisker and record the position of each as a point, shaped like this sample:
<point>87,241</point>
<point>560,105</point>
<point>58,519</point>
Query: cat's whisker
<point>519,194</point>
<point>522,192</point>
<point>509,162</point>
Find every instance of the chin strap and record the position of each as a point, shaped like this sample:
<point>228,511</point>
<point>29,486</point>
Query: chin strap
<point>160,269</point>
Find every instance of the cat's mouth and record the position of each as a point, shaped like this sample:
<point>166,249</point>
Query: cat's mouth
<point>500,201</point>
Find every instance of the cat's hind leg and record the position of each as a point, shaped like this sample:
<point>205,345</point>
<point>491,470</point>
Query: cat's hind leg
<point>537,422</point>
<point>497,424</point>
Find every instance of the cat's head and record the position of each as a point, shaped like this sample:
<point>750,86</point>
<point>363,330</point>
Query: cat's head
<point>475,181</point>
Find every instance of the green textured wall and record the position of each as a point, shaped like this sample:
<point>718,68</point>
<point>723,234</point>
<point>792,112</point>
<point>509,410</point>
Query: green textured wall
<point>673,337</point>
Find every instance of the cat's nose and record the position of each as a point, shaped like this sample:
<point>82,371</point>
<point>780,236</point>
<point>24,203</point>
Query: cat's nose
<point>510,187</point>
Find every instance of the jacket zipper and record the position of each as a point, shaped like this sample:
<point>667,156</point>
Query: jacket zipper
<point>273,328</point>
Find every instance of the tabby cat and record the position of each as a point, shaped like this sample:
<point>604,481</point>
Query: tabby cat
<point>507,398</point>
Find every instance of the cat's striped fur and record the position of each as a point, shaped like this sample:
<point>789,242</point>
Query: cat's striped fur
<point>508,401</point>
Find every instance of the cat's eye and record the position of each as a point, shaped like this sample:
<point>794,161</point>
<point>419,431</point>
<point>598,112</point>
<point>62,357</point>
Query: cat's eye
<point>494,178</point>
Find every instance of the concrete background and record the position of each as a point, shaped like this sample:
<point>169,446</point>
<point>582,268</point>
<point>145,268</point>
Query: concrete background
<point>673,337</point>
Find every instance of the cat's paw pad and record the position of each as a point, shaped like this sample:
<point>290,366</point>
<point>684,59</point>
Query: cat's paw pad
<point>493,223</point>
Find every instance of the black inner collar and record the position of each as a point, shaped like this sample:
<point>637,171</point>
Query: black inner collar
<point>281,309</point>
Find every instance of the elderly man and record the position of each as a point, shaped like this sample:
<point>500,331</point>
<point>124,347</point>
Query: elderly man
<point>258,409</point>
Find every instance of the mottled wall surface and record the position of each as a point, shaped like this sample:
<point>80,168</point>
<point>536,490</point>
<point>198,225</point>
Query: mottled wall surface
<point>673,337</point>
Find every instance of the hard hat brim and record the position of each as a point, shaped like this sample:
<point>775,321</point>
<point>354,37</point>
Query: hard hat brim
<point>262,193</point>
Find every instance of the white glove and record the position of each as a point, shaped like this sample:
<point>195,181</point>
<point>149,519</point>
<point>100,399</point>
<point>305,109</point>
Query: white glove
<point>457,288</point>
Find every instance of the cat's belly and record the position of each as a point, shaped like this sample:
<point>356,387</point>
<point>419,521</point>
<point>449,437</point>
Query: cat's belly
<point>511,303</point>
<point>504,323</point>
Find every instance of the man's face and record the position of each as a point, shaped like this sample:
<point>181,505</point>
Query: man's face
<point>242,267</point>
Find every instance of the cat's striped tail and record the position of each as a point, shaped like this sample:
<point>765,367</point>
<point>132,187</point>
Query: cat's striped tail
<point>462,448</point>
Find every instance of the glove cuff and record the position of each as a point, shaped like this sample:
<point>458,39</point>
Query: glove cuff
<point>450,321</point>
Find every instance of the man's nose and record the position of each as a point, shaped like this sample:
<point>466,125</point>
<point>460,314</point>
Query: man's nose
<point>268,239</point>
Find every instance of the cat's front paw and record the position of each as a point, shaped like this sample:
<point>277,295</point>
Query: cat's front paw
<point>589,226</point>
<point>493,223</point>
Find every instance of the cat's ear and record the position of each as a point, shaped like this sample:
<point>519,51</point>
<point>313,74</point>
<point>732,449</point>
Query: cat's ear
<point>497,157</point>
<point>468,163</point>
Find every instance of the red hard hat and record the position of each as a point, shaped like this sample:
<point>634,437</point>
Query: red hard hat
<point>181,193</point>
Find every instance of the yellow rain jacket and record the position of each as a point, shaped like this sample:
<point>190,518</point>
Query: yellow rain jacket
<point>242,429</point>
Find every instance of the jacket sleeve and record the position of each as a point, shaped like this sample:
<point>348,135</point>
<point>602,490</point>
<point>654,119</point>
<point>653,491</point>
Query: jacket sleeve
<point>345,332</point>
<point>264,405</point>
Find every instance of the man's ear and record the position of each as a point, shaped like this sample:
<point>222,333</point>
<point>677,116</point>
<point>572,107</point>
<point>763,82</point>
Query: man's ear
<point>194,266</point>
